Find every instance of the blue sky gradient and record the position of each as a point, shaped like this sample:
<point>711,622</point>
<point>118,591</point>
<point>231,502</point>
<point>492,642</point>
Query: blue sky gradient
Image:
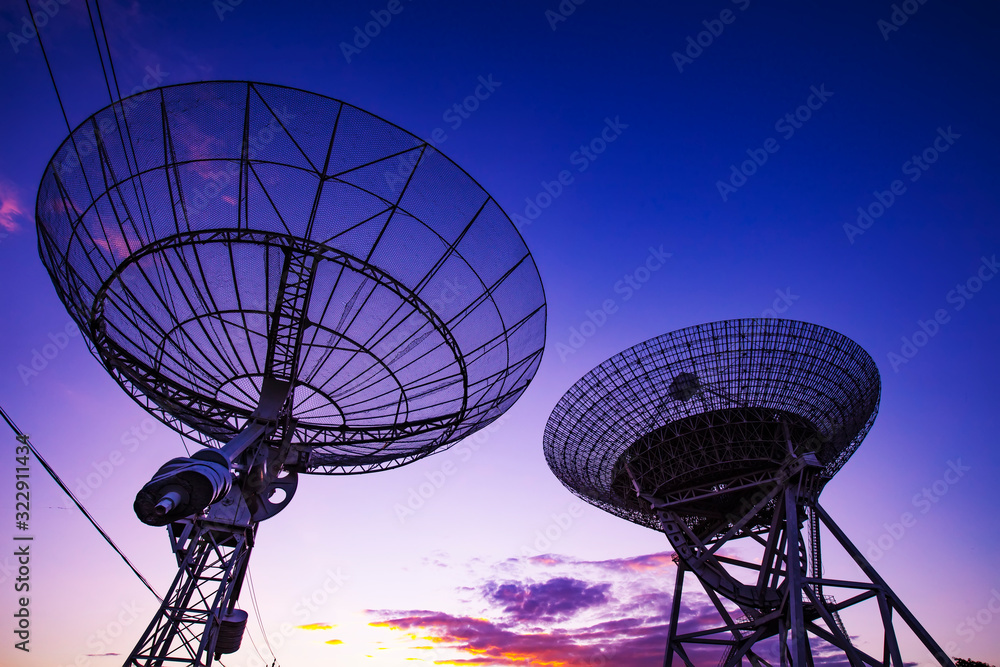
<point>736,167</point>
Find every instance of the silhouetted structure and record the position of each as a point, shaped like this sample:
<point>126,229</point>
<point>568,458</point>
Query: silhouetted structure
<point>724,435</point>
<point>297,284</point>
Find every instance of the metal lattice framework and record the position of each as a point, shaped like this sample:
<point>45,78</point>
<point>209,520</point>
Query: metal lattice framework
<point>212,562</point>
<point>724,434</point>
<point>708,407</point>
<point>208,235</point>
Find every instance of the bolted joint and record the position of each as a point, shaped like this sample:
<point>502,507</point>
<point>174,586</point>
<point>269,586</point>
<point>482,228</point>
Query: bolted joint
<point>183,487</point>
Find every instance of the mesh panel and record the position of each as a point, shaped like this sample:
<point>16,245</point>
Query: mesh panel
<point>817,375</point>
<point>168,217</point>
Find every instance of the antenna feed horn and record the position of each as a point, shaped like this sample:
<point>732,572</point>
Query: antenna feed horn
<point>182,487</point>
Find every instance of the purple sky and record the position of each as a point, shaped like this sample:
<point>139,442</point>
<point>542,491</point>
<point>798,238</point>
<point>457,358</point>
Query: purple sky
<point>478,552</point>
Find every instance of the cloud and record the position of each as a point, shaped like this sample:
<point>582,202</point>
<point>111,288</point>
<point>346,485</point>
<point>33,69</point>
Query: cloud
<point>556,611</point>
<point>315,626</point>
<point>11,207</point>
<point>555,599</point>
<point>637,564</point>
<point>484,642</point>
<point>550,610</point>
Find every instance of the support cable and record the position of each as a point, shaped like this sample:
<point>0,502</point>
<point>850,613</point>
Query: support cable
<point>256,650</point>
<point>20,434</point>
<point>69,130</point>
<point>62,108</point>
<point>253,602</point>
<point>256,609</point>
<point>107,45</point>
<point>24,438</point>
<point>100,53</point>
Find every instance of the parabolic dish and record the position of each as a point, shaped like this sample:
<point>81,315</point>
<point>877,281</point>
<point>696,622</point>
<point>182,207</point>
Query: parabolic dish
<point>167,237</point>
<point>702,406</point>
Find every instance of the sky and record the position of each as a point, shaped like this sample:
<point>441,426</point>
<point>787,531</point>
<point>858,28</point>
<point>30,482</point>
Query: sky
<point>833,163</point>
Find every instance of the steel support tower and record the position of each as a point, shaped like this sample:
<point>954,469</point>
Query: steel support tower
<point>296,284</point>
<point>722,436</point>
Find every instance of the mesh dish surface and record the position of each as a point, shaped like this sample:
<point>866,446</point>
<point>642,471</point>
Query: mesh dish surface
<point>715,380</point>
<point>164,221</point>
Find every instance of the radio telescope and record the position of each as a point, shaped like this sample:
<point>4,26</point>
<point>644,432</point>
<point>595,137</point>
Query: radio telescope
<point>722,436</point>
<point>295,283</point>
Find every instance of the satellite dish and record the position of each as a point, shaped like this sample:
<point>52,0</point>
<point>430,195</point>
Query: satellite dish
<point>723,435</point>
<point>299,285</point>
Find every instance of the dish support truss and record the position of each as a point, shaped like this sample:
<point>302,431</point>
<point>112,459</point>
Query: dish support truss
<point>786,598</point>
<point>197,619</point>
<point>212,558</point>
<point>427,311</point>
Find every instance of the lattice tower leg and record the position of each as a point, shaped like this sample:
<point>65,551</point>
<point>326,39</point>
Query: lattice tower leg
<point>212,560</point>
<point>785,603</point>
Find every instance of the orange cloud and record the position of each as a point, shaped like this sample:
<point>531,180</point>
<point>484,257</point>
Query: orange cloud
<point>315,626</point>
<point>552,610</point>
<point>629,643</point>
